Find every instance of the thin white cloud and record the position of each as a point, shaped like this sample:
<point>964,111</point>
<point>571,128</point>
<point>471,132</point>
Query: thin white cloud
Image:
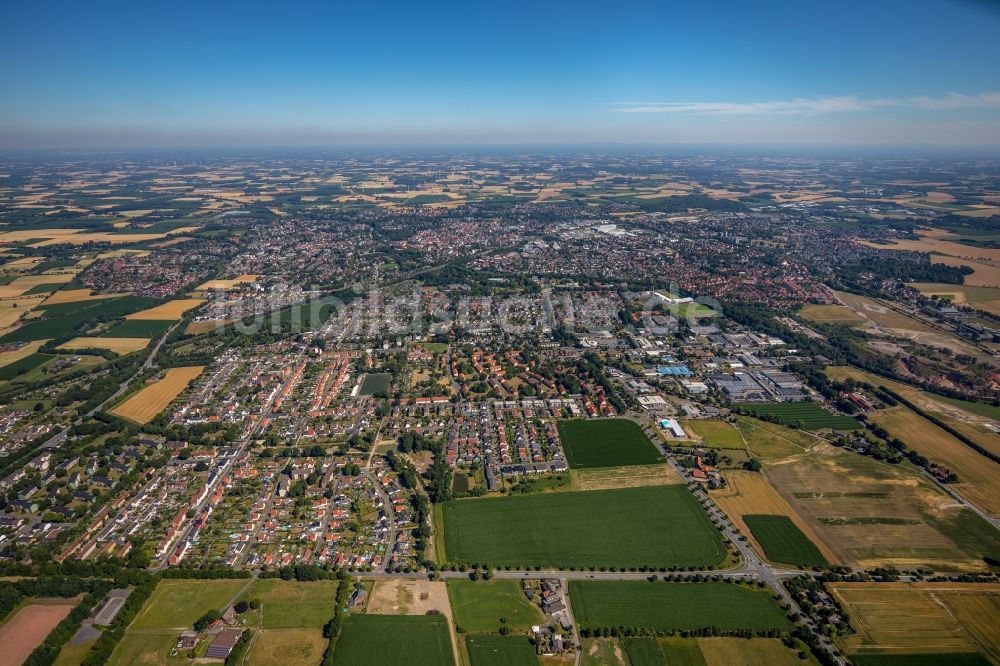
<point>803,106</point>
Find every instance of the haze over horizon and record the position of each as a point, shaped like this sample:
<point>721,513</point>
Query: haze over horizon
<point>120,75</point>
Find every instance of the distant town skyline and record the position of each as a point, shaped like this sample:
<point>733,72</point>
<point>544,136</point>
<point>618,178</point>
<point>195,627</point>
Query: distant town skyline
<point>120,75</point>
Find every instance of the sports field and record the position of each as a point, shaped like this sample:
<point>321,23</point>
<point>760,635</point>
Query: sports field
<point>153,399</point>
<point>900,618</point>
<point>658,526</point>
<point>488,650</point>
<point>394,640</point>
<point>715,434</point>
<point>807,415</point>
<point>674,606</point>
<point>782,541</point>
<point>477,606</point>
<point>606,443</point>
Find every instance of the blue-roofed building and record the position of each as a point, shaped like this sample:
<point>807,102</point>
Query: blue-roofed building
<point>675,370</point>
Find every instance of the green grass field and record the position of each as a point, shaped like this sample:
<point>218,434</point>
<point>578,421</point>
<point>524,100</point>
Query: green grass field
<point>24,365</point>
<point>176,604</point>
<point>434,347</point>
<point>394,640</point>
<point>658,526</point>
<point>934,659</point>
<point>487,650</point>
<point>606,443</point>
<point>681,651</point>
<point>644,651</point>
<point>376,382</point>
<point>138,328</point>
<point>58,320</point>
<point>783,542</point>
<point>807,415</point>
<point>147,647</point>
<point>674,606</point>
<point>288,604</point>
<point>478,606</point>
<point>715,434</point>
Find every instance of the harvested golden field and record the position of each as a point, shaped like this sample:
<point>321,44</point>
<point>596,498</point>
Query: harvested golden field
<point>979,476</point>
<point>169,311</point>
<point>74,295</point>
<point>6,358</point>
<point>153,399</point>
<point>984,273</point>
<point>830,313</point>
<point>628,476</point>
<point>26,282</point>
<point>927,243</point>
<point>872,514</point>
<point>749,493</point>
<point>13,309</point>
<point>117,345</point>
<point>227,284</point>
<point>982,298</point>
<point>900,618</point>
<point>207,326</point>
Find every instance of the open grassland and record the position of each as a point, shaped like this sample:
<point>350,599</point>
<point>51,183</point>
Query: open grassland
<point>643,651</point>
<point>750,493</point>
<point>715,434</point>
<point>117,345</point>
<point>806,415</point>
<point>665,607</point>
<point>176,604</point>
<point>478,606</point>
<point>30,624</point>
<point>840,314</point>
<point>969,418</point>
<point>782,541</point>
<point>292,604</point>
<point>986,299</point>
<point>772,440</point>
<point>169,311</point>
<point>752,652</point>
<point>923,618</point>
<point>871,514</point>
<point>287,647</point>
<point>657,526</point>
<point>227,284</point>
<point>602,652</point>
<point>394,640</point>
<point>153,399</point>
<point>145,648</point>
<point>979,477</point>
<point>606,443</point>
<point>629,476</point>
<point>73,655</point>
<point>487,650</point>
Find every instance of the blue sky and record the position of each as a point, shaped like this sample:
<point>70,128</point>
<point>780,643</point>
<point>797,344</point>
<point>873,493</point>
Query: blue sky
<point>228,73</point>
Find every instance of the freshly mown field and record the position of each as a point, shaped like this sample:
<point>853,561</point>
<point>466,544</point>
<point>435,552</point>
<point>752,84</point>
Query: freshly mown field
<point>394,640</point>
<point>478,606</point>
<point>715,434</point>
<point>117,345</point>
<point>606,443</point>
<point>60,319</point>
<point>807,415</point>
<point>488,650</point>
<point>674,606</point>
<point>377,382</point>
<point>921,618</point>
<point>291,604</point>
<point>153,399</point>
<point>657,526</point>
<point>783,542</point>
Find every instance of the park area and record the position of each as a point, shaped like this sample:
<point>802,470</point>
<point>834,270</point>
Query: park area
<point>668,607</point>
<point>154,398</point>
<point>658,526</point>
<point>606,443</point>
<point>805,415</point>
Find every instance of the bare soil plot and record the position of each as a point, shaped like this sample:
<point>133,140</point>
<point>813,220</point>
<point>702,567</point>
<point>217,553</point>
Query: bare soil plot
<point>117,345</point>
<point>873,514</point>
<point>629,476</point>
<point>409,597</point>
<point>750,493</point>
<point>153,399</point>
<point>169,311</point>
<point>979,476</point>
<point>900,618</point>
<point>21,634</point>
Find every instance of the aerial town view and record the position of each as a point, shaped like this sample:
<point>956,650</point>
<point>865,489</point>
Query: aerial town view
<point>316,349</point>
